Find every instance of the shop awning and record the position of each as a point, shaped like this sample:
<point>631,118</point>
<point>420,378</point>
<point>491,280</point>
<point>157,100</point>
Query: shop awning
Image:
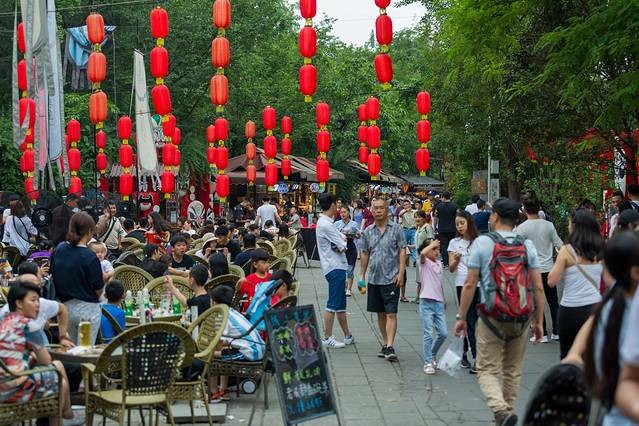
<point>384,176</point>
<point>424,182</point>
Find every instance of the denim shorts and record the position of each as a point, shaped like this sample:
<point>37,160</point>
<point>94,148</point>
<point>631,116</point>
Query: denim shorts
<point>350,273</point>
<point>336,291</point>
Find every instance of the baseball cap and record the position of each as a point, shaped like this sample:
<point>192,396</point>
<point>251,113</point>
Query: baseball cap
<point>506,208</point>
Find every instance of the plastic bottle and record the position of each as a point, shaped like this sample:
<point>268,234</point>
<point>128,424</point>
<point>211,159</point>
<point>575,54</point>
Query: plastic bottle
<point>146,298</point>
<point>128,304</point>
<point>177,308</point>
<point>361,286</point>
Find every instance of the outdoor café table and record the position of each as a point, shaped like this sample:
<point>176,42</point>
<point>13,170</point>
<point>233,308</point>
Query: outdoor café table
<point>135,320</point>
<point>82,355</point>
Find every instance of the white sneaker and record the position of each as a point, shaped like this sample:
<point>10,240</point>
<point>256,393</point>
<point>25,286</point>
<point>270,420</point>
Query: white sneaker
<point>77,420</point>
<point>544,339</point>
<point>348,293</point>
<point>429,369</point>
<point>554,337</point>
<point>349,340</point>
<point>331,342</point>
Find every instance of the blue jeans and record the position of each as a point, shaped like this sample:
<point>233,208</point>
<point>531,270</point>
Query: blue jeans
<point>409,235</point>
<point>433,316</point>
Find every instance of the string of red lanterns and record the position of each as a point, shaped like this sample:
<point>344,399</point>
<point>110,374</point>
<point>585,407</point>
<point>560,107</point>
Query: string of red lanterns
<point>269,118</point>
<point>384,35</point>
<point>98,100</point>
<point>126,157</point>
<point>73,156</point>
<point>251,172</point>
<point>422,156</point>
<point>308,48</point>
<point>323,140</point>
<point>287,145</point>
<point>362,135</point>
<point>222,181</point>
<point>373,137</point>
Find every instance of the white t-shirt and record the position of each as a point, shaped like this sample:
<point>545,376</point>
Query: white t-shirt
<point>48,310</point>
<point>461,246</point>
<point>266,212</point>
<point>544,236</point>
<point>472,208</point>
<point>106,266</point>
<point>630,347</point>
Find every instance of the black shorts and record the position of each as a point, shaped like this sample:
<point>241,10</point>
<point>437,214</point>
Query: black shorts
<point>383,298</point>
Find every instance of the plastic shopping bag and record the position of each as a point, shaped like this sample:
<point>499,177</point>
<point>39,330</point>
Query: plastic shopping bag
<point>450,363</point>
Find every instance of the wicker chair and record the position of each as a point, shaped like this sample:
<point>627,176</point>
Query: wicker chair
<point>139,252</point>
<point>130,243</point>
<point>192,252</point>
<point>150,356</point>
<point>210,327</point>
<point>266,245</point>
<point>228,279</point>
<point>295,289</point>
<point>200,260</point>
<point>291,256</point>
<point>282,263</point>
<point>12,254</point>
<point>127,258</point>
<point>282,246</point>
<point>293,239</point>
<point>248,268</point>
<point>132,277</point>
<point>157,288</point>
<point>238,271</point>
<point>20,412</point>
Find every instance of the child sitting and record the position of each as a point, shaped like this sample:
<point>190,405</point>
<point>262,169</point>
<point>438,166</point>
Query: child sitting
<point>266,295</point>
<point>100,251</point>
<point>231,347</point>
<point>114,293</point>
<point>198,276</point>
<point>259,260</point>
<point>270,227</point>
<point>431,303</point>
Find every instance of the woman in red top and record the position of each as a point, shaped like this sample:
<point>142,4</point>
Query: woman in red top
<point>158,230</point>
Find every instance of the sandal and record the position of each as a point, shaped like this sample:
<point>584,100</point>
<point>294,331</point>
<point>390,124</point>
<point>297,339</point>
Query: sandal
<point>218,397</point>
<point>403,300</point>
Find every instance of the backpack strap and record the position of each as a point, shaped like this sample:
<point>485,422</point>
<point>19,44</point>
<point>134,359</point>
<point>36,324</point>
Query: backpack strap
<point>498,238</point>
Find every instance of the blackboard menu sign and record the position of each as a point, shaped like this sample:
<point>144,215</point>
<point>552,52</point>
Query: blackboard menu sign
<point>303,384</point>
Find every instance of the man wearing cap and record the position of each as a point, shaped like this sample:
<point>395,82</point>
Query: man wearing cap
<point>60,218</point>
<point>500,344</point>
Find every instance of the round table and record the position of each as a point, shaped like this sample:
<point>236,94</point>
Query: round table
<point>90,356</point>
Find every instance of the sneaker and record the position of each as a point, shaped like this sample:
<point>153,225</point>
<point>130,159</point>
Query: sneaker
<point>429,369</point>
<point>382,352</point>
<point>544,339</point>
<point>505,418</point>
<point>348,293</point>
<point>473,369</point>
<point>554,337</point>
<point>349,340</point>
<point>77,420</point>
<point>465,363</point>
<point>331,342</point>
<point>390,354</point>
<point>217,397</point>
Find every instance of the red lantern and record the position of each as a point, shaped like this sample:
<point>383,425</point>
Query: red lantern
<point>423,131</point>
<point>249,130</point>
<point>22,75</point>
<point>96,71</point>
<point>21,44</point>
<point>362,113</point>
<point>422,160</point>
<point>308,42</point>
<point>124,127</point>
<point>384,31</point>
<point>362,134</point>
<point>308,81</point>
<point>372,108</point>
<point>159,24</point>
<point>73,156</point>
<point>308,8</point>
<point>382,4</point>
<point>222,159</point>
<point>384,69</point>
<point>126,185</point>
<point>126,155</point>
<point>30,189</point>
<point>250,151</point>
<point>374,165</point>
<point>323,140</point>
<point>168,126</point>
<point>73,130</point>
<point>28,159</point>
<point>168,154</point>
<point>221,129</point>
<point>211,155</point>
<point>177,136</point>
<point>222,186</point>
<point>362,155</point>
<point>251,173</point>
<point>27,106</point>
<point>220,52</point>
<point>286,147</point>
<point>286,168</point>
<point>322,114</point>
<point>222,13</point>
<point>219,91</point>
<point>98,107</point>
<point>210,134</point>
<point>373,137</point>
<point>101,162</point>
<point>95,28</point>
<point>423,103</point>
<point>322,170</point>
<point>168,183</point>
<point>270,174</point>
<point>75,185</point>
<point>270,146</point>
<point>159,62</point>
<point>161,98</point>
<point>268,118</point>
<point>287,125</point>
<point>100,140</point>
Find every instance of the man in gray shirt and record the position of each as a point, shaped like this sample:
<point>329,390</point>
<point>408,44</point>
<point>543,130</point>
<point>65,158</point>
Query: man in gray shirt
<point>383,257</point>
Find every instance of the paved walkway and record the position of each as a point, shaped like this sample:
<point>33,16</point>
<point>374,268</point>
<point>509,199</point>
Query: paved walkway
<point>372,391</point>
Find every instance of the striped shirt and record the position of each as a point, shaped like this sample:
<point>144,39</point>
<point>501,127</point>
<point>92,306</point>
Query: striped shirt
<point>252,346</point>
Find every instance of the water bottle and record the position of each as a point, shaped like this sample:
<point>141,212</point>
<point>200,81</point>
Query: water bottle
<point>141,310</point>
<point>128,304</point>
<point>361,286</point>
<point>146,298</point>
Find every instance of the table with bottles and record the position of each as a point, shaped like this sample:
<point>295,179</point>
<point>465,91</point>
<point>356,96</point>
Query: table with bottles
<point>140,309</point>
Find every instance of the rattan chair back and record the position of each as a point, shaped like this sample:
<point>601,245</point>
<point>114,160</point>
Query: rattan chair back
<point>200,260</point>
<point>210,326</point>
<point>237,270</point>
<point>228,279</point>
<point>12,254</point>
<point>281,263</point>
<point>158,289</point>
<point>295,289</point>
<point>282,246</point>
<point>132,277</point>
<point>266,245</point>
<point>130,243</point>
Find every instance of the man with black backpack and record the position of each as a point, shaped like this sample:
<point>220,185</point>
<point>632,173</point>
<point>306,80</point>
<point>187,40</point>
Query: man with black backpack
<point>507,269</point>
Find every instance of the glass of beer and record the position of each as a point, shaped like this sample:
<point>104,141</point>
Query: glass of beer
<point>84,334</point>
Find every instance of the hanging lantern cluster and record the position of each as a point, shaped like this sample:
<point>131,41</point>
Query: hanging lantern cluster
<point>27,113</point>
<point>251,172</point>
<point>222,181</point>
<point>73,156</point>
<point>220,54</point>
<point>323,140</point>
<point>126,157</point>
<point>384,35</point>
<point>308,48</point>
<point>373,137</point>
<point>362,135</point>
<point>422,156</point>
<point>287,145</point>
<point>269,118</point>
<point>211,150</point>
<point>98,99</point>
